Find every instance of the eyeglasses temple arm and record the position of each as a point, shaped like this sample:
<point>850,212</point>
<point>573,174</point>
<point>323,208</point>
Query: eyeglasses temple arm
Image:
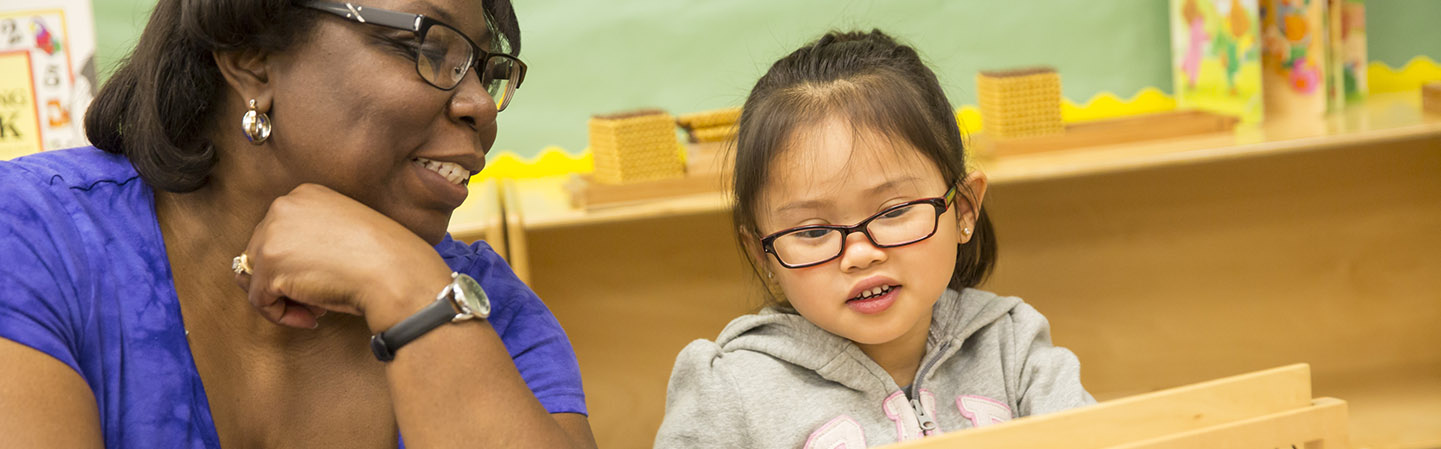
<point>391,19</point>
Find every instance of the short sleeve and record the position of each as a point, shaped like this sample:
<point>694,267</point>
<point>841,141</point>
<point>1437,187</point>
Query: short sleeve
<point>702,407</point>
<point>1050,375</point>
<point>38,288</point>
<point>536,342</point>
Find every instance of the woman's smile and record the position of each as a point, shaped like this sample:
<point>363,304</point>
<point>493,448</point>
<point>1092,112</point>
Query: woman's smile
<point>445,178</point>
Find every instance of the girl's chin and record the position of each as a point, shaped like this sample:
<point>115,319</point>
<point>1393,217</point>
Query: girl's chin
<point>874,338</point>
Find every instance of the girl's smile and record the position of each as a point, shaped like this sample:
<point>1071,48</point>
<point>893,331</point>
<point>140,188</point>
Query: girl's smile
<point>873,295</point>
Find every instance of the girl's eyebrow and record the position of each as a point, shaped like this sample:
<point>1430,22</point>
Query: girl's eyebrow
<point>817,203</point>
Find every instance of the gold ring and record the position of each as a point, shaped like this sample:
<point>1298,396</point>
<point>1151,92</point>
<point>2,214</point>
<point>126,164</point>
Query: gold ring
<point>241,264</point>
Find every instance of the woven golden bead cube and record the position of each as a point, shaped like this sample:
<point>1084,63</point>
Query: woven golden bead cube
<point>635,146</point>
<point>1020,103</point>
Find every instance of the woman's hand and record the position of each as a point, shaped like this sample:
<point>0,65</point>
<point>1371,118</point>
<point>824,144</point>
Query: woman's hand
<point>318,250</point>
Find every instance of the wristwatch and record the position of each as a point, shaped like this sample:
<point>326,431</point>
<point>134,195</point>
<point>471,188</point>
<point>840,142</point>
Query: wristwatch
<point>462,300</point>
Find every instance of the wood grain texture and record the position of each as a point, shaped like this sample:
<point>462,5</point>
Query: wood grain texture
<point>1159,415</point>
<point>481,217</point>
<point>1158,267</point>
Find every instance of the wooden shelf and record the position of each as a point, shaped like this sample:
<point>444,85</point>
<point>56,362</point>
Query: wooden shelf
<point>1392,408</point>
<point>546,204</point>
<point>1398,408</point>
<point>1384,118</point>
<point>480,217</point>
<point>1159,264</point>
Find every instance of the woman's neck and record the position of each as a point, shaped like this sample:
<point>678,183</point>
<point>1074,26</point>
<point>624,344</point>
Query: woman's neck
<point>204,230</point>
<point>901,358</point>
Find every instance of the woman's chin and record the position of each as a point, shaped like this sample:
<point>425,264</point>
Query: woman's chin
<point>430,227</point>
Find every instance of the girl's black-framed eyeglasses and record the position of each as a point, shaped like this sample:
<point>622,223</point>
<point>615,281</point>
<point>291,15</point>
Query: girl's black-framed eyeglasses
<point>443,54</point>
<point>899,225</point>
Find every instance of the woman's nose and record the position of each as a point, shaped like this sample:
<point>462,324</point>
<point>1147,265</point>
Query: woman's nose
<point>471,104</point>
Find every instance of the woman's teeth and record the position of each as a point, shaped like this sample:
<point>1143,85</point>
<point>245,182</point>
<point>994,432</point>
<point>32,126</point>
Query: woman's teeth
<point>868,294</point>
<point>452,172</point>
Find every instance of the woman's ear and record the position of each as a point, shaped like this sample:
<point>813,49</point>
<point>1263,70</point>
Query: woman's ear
<point>247,73</point>
<point>971,191</point>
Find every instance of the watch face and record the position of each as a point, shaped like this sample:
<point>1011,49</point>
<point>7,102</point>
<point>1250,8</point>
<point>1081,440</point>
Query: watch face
<point>474,297</point>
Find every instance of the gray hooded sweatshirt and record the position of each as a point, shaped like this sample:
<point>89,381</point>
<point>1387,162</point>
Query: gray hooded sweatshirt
<point>773,379</point>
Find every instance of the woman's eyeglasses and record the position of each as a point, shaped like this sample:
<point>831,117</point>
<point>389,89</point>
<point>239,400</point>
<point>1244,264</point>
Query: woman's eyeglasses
<point>443,55</point>
<point>898,225</point>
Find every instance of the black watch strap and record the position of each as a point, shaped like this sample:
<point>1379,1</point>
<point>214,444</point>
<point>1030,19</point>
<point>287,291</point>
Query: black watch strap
<point>384,344</point>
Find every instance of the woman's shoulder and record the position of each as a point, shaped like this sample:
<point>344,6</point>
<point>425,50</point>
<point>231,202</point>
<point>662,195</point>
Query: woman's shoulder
<point>478,260</point>
<point>68,201</point>
<point>74,245</point>
<point>76,168</point>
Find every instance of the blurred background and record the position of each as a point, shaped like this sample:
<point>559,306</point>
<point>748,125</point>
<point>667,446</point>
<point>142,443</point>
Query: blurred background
<point>1169,237</point>
<point>590,57</point>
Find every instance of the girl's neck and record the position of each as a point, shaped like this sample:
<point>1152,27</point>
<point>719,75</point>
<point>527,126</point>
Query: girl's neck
<point>901,358</point>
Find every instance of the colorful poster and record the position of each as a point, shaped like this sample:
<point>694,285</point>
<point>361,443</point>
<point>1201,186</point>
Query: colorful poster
<point>1296,70</point>
<point>1216,58</point>
<point>19,116</point>
<point>1353,49</point>
<point>58,37</point>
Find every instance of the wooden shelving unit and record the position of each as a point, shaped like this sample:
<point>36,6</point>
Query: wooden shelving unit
<point>1160,264</point>
<point>481,217</point>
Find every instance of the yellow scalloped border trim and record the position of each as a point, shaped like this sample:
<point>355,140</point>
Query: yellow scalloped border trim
<point>1104,105</point>
<point>551,161</point>
<point>1381,78</point>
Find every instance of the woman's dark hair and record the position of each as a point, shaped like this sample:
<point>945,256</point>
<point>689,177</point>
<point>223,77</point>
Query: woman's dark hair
<point>157,106</point>
<point>876,84</point>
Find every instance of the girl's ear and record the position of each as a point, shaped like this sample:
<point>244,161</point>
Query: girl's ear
<point>752,246</point>
<point>761,264</point>
<point>972,191</point>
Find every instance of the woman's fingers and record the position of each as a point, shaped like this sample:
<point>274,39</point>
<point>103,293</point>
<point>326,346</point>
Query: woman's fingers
<point>300,267</point>
<point>295,314</point>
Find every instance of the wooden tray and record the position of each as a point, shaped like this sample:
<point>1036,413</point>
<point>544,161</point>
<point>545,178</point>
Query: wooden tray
<point>586,193</point>
<point>1109,132</point>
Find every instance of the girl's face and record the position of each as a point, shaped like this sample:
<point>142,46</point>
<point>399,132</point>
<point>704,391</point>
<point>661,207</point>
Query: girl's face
<point>837,175</point>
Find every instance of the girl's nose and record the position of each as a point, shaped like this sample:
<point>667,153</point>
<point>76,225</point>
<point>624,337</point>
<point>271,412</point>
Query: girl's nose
<point>859,253</point>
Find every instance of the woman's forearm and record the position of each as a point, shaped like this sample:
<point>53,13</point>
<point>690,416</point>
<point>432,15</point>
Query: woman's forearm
<point>457,387</point>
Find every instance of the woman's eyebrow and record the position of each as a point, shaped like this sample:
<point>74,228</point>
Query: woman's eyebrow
<point>444,15</point>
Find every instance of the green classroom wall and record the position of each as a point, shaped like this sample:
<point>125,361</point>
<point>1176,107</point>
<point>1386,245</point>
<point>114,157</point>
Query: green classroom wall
<point>590,57</point>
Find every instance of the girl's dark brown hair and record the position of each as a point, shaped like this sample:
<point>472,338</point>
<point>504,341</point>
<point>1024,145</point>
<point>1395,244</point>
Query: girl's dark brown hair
<point>876,84</point>
<point>157,106</point>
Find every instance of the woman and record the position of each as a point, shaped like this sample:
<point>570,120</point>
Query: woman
<point>266,162</point>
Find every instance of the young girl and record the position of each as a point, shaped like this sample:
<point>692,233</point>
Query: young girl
<point>853,201</point>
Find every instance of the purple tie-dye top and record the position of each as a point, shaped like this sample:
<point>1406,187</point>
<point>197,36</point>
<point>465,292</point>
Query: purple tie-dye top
<point>84,278</point>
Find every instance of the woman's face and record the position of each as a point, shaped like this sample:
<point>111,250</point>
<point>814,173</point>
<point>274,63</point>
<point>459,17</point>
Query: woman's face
<point>350,112</point>
<point>833,175</point>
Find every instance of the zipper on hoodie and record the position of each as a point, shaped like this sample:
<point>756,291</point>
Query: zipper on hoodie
<point>928,424</point>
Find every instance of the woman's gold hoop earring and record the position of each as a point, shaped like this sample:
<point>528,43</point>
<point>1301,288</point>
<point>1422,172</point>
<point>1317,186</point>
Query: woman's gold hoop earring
<point>255,125</point>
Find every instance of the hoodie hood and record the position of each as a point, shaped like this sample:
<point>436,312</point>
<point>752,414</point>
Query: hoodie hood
<point>774,380</point>
<point>791,338</point>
